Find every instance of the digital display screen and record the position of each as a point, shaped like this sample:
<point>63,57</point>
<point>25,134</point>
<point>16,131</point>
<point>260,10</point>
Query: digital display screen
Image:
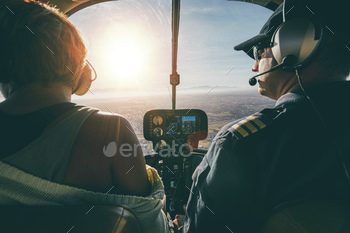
<point>174,125</point>
<point>188,124</point>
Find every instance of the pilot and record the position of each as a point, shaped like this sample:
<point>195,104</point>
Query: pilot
<point>53,151</point>
<point>298,149</point>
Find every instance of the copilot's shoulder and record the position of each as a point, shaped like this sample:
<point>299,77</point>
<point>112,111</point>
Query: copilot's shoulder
<point>254,123</point>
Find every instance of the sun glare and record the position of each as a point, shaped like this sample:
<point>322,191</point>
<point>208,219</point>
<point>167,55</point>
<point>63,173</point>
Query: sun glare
<point>123,54</point>
<point>124,59</point>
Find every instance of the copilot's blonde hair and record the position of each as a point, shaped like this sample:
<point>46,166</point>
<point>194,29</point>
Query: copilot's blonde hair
<point>38,44</point>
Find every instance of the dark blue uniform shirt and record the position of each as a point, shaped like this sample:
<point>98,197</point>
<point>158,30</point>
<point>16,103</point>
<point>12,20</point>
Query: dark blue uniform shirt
<point>274,156</point>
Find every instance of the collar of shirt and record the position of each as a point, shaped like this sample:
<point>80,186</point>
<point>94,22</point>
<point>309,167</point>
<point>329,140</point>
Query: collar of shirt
<point>291,97</point>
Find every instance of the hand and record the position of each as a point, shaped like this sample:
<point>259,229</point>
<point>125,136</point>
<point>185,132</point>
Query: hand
<point>179,220</point>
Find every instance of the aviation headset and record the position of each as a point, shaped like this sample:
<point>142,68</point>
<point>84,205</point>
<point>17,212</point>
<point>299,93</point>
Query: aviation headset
<point>296,41</point>
<point>89,73</point>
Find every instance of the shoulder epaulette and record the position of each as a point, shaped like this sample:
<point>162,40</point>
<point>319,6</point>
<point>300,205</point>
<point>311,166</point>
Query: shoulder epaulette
<point>254,123</point>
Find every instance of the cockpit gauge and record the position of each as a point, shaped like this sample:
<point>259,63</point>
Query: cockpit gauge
<point>157,132</point>
<point>157,120</point>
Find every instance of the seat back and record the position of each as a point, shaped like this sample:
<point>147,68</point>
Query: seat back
<point>73,219</point>
<point>318,216</point>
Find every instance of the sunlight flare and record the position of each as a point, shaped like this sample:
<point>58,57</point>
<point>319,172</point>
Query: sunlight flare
<point>124,55</point>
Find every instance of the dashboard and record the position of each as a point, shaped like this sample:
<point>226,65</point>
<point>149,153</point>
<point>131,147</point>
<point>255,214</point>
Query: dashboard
<point>175,130</point>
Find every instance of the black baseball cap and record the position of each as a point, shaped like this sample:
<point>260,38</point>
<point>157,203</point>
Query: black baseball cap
<point>265,34</point>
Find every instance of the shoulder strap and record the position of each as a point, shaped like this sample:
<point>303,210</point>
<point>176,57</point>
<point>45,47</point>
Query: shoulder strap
<point>47,157</point>
<point>60,118</point>
<point>254,123</point>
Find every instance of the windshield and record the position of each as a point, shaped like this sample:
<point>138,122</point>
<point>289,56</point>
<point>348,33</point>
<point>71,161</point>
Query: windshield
<point>129,45</point>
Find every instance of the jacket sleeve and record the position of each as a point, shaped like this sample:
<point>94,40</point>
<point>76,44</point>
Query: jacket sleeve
<point>222,192</point>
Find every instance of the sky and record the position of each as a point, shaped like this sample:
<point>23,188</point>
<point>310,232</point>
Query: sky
<point>129,42</point>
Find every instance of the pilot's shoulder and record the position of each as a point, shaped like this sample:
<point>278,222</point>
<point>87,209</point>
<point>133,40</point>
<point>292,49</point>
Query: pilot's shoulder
<point>255,123</point>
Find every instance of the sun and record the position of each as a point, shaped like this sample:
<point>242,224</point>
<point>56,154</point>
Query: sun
<point>125,59</point>
<point>123,55</point>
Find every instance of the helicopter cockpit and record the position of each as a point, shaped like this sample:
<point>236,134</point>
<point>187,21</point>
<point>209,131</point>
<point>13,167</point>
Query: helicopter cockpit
<point>174,140</point>
<point>167,67</point>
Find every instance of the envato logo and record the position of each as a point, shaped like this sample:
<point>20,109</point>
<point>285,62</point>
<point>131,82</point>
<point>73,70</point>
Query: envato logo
<point>110,150</point>
<point>126,150</point>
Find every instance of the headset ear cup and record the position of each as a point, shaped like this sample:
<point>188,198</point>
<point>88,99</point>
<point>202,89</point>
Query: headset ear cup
<point>84,81</point>
<point>296,37</point>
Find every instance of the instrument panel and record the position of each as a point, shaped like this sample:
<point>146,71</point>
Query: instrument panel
<point>175,129</point>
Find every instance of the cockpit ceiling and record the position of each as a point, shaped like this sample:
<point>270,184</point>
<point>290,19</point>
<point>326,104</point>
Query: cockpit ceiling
<point>69,7</point>
<point>270,4</point>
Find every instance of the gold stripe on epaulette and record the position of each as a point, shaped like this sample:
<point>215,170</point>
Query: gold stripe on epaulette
<point>249,126</point>
<point>240,130</point>
<point>257,121</point>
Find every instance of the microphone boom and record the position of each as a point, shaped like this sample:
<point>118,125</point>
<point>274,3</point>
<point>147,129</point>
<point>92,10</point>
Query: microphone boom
<point>288,61</point>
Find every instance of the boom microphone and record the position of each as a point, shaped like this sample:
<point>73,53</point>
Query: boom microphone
<point>288,61</point>
<point>253,81</point>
